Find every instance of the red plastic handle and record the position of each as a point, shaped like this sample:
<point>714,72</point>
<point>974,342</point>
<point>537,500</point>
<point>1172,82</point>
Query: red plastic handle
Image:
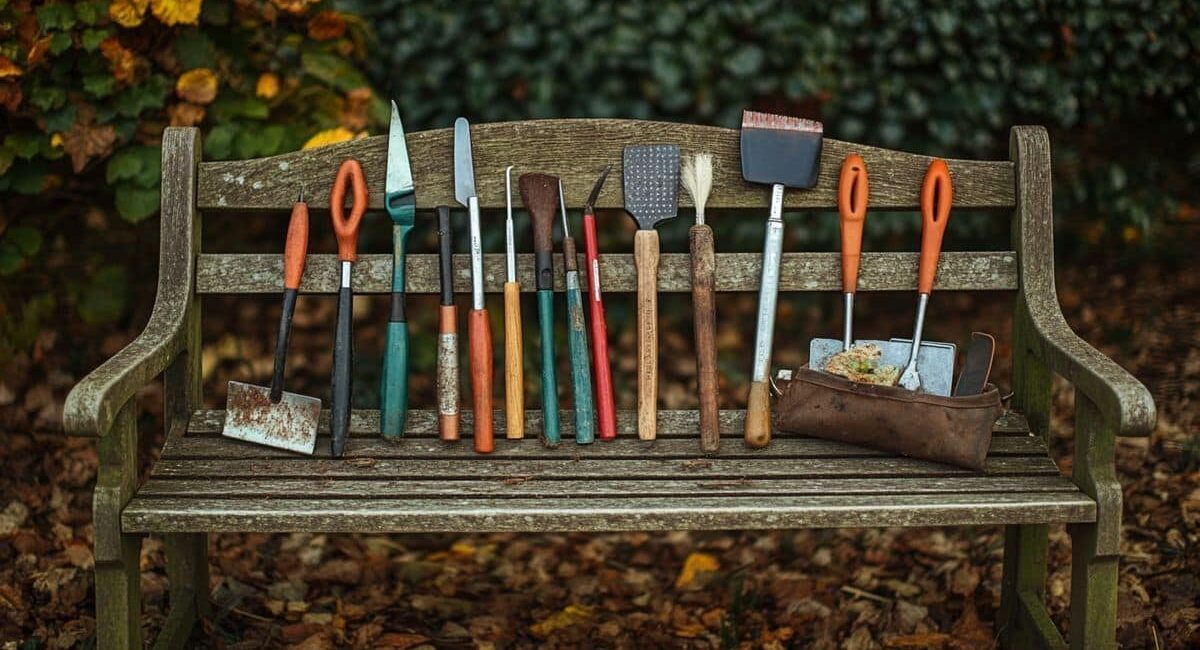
<point>296,247</point>
<point>852,208</point>
<point>350,173</point>
<point>605,410</point>
<point>937,193</point>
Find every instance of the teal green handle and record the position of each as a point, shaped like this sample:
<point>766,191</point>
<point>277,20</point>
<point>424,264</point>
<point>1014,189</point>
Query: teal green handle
<point>394,385</point>
<point>550,429</point>
<point>581,374</point>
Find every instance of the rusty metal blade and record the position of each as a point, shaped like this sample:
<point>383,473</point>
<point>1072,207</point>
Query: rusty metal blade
<point>290,423</point>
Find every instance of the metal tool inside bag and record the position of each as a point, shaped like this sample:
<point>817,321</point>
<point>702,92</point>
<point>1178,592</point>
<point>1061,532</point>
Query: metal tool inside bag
<point>779,151</point>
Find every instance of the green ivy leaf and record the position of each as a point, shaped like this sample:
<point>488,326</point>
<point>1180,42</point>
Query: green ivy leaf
<point>151,94</point>
<point>333,70</point>
<point>219,143</point>
<point>91,38</point>
<point>24,144</point>
<point>27,240</point>
<point>10,258</point>
<point>194,49</point>
<point>58,15</point>
<point>60,120</point>
<point>136,203</point>
<point>106,296</point>
<point>27,177</point>
<point>99,85</point>
<point>60,42</point>
<point>91,12</point>
<point>140,164</point>
<point>47,98</point>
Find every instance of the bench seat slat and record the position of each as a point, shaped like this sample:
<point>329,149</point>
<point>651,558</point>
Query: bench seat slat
<point>229,273</point>
<point>590,514</point>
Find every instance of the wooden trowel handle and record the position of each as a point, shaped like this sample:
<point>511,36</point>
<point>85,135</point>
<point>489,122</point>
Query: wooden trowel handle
<point>645,258</point>
<point>937,193</point>
<point>852,207</point>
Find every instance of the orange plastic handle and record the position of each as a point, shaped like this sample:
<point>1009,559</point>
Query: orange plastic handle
<point>350,173</point>
<point>296,247</point>
<point>937,193</point>
<point>852,207</point>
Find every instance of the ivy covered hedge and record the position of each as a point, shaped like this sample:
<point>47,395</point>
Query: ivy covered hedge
<point>1118,83</point>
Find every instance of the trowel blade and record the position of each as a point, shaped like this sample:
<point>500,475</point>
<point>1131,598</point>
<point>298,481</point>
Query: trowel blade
<point>289,424</point>
<point>935,362</point>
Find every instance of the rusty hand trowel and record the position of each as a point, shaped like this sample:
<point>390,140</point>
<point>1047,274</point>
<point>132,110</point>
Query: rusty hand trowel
<point>271,416</point>
<point>929,366</point>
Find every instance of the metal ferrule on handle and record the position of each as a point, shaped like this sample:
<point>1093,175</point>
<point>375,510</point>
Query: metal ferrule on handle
<point>768,292</point>
<point>848,322</point>
<point>476,255</point>
<point>510,242</point>
<point>922,302</point>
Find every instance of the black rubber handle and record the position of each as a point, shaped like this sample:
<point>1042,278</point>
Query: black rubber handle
<point>343,353</point>
<point>445,254</point>
<point>281,344</point>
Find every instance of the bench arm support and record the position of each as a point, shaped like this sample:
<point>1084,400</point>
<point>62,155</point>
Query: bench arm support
<point>94,403</point>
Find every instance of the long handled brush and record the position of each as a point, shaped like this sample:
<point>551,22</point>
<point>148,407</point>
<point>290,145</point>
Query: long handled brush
<point>697,176</point>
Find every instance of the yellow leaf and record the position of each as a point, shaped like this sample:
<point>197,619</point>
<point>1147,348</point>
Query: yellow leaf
<point>56,140</point>
<point>197,86</point>
<point>267,86</point>
<point>695,565</point>
<point>176,12</point>
<point>463,549</point>
<point>8,69</point>
<point>327,137</point>
<point>570,615</point>
<point>690,631</point>
<point>128,13</point>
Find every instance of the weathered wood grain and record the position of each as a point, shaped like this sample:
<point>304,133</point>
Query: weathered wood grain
<point>584,514</point>
<point>262,273</point>
<point>307,489</point>
<point>672,423</point>
<point>576,150</point>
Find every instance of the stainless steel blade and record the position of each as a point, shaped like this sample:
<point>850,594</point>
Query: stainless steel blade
<point>464,167</point>
<point>290,423</point>
<point>399,173</point>
<point>935,362</point>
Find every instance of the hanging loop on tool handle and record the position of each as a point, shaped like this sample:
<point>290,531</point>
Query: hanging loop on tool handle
<point>852,208</point>
<point>346,229</point>
<point>937,194</point>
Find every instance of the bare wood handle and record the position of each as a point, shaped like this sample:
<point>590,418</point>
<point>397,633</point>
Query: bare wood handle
<point>645,259</point>
<point>479,343</point>
<point>758,415</point>
<point>514,366</point>
<point>703,282</point>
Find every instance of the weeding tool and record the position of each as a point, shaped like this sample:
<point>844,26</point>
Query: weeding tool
<point>401,204</point>
<point>577,343</point>
<point>783,152</point>
<point>271,416</point>
<point>651,180</point>
<point>606,414</point>
<point>977,366</point>
<point>697,180</point>
<point>538,193</point>
<point>936,361</point>
<point>514,359</point>
<point>479,328</point>
<point>447,349</point>
<point>346,229</point>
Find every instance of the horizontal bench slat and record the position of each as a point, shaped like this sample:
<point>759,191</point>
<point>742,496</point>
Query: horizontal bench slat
<point>308,489</point>
<point>576,150</point>
<point>212,447</point>
<point>569,468</point>
<point>672,423</point>
<point>263,273</point>
<point>589,514</point>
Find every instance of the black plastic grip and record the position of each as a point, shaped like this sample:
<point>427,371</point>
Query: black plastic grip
<point>445,254</point>
<point>544,263</point>
<point>343,353</point>
<point>281,344</point>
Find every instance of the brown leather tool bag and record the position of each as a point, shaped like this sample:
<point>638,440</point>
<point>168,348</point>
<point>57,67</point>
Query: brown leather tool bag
<point>954,430</point>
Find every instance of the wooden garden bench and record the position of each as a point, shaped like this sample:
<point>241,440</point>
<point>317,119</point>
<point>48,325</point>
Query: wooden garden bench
<point>204,483</point>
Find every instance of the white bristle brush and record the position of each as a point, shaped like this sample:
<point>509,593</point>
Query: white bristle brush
<point>697,174</point>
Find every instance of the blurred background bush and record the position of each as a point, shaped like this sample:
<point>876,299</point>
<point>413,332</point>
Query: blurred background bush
<point>86,88</point>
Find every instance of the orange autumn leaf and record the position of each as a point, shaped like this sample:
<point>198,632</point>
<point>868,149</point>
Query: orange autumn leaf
<point>197,86</point>
<point>354,109</point>
<point>8,69</point>
<point>176,12</point>
<point>38,51</point>
<point>326,26</point>
<point>85,141</point>
<point>185,114</point>
<point>696,565</point>
<point>267,86</point>
<point>128,13</point>
<point>122,62</point>
<point>11,95</point>
<point>294,7</point>
<point>328,137</point>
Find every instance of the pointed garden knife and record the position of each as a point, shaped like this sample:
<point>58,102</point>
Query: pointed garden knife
<point>479,328</point>
<point>400,201</point>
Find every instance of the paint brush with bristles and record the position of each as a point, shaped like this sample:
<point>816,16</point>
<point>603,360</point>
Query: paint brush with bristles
<point>780,151</point>
<point>696,175</point>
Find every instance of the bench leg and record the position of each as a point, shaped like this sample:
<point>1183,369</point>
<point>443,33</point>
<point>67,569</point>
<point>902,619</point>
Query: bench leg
<point>187,572</point>
<point>118,555</point>
<point>1022,620</point>
<point>1093,591</point>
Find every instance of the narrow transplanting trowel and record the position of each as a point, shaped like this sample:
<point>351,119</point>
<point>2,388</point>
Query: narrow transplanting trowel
<point>401,204</point>
<point>270,416</point>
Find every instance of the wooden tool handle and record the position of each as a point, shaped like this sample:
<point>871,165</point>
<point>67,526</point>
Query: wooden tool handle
<point>606,414</point>
<point>346,229</point>
<point>645,258</point>
<point>758,415</point>
<point>479,333</point>
<point>296,247</point>
<point>447,373</point>
<point>514,363</point>
<point>937,194</point>
<point>852,208</point>
<point>703,304</point>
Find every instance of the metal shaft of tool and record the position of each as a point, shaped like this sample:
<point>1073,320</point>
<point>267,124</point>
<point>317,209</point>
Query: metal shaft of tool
<point>768,292</point>
<point>848,323</point>
<point>476,255</point>
<point>922,302</point>
<point>510,247</point>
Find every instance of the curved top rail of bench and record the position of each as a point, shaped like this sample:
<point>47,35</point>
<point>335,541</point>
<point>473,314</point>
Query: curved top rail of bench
<point>576,150</point>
